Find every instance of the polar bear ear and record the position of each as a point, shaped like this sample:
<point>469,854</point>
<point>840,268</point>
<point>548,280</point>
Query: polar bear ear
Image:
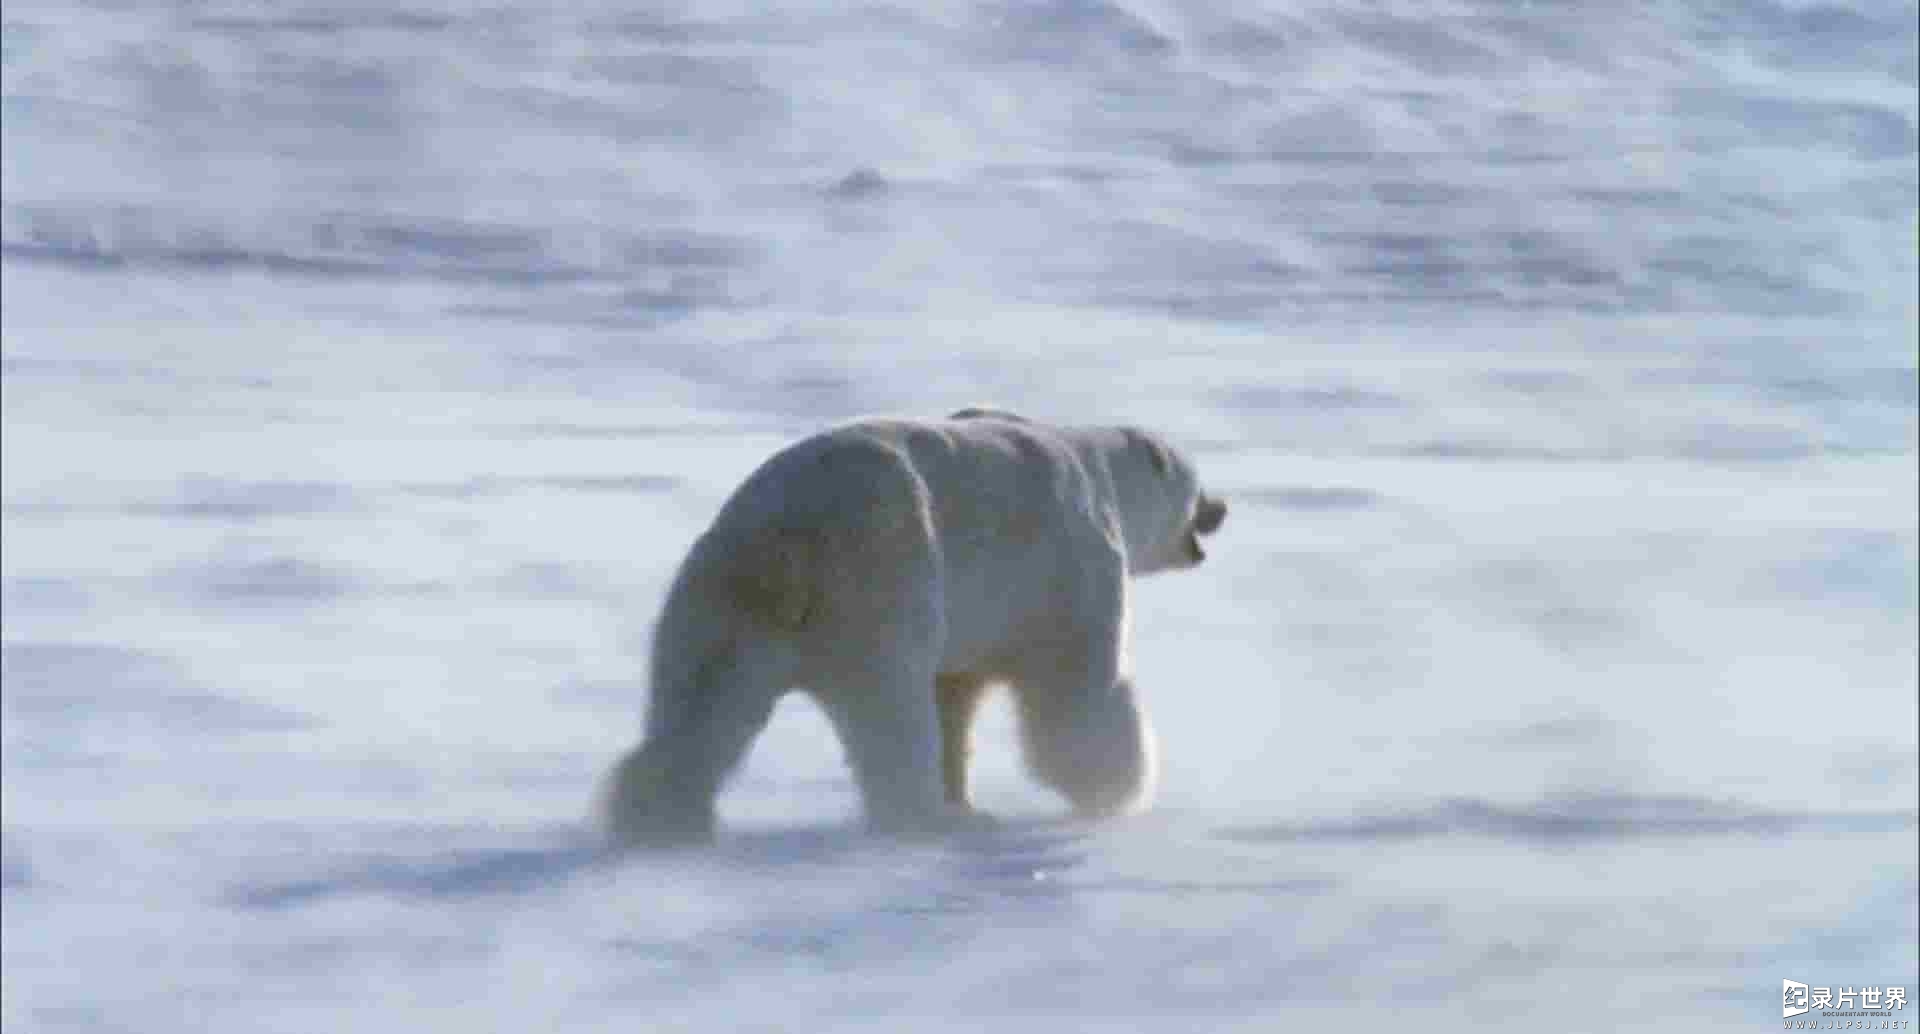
<point>1156,452</point>
<point>987,413</point>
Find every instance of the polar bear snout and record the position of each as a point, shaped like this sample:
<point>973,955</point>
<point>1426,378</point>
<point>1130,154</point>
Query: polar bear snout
<point>1207,518</point>
<point>1210,514</point>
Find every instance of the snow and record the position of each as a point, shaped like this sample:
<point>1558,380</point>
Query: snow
<point>368,368</point>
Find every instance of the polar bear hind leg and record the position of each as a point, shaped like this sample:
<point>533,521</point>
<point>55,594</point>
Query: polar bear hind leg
<point>874,677</point>
<point>891,734</point>
<point>716,675</point>
<point>663,791</point>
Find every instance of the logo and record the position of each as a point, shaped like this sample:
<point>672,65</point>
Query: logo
<point>1797,999</point>
<point>1794,998</point>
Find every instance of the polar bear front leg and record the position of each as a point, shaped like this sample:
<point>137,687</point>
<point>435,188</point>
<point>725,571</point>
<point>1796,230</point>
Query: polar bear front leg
<point>1091,743</point>
<point>1083,728</point>
<point>958,696</point>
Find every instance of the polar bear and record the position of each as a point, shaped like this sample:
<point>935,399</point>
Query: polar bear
<point>895,570</point>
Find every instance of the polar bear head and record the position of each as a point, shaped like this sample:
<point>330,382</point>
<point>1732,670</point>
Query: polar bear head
<point>1162,511</point>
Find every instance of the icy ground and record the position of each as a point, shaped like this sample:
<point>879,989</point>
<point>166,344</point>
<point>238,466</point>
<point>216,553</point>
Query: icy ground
<point>368,368</point>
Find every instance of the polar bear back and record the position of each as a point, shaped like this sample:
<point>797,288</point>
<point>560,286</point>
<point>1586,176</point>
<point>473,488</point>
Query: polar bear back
<point>1008,511</point>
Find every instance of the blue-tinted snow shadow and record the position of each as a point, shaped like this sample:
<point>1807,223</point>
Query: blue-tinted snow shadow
<point>255,574</point>
<point>16,870</point>
<point>1012,847</point>
<point>60,686</point>
<point>489,487</point>
<point>1022,860</point>
<point>203,498</point>
<point>582,275</point>
<point>1019,858</point>
<point>43,595</point>
<point>1576,819</point>
<point>454,874</point>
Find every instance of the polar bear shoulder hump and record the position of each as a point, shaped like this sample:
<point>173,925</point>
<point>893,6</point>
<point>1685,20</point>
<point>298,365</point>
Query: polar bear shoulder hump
<point>988,413</point>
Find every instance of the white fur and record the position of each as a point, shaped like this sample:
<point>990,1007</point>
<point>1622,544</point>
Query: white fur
<point>895,570</point>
